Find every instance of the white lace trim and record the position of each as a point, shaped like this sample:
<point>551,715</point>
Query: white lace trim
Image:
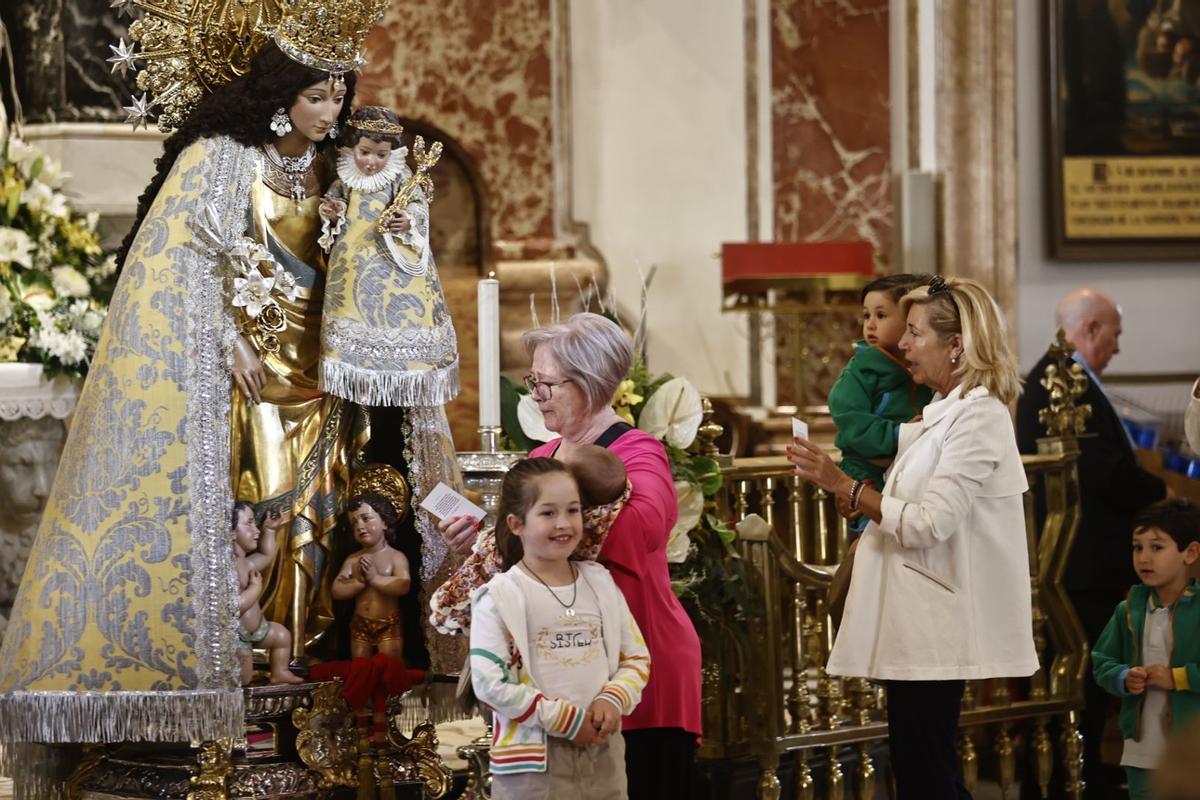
<point>355,178</point>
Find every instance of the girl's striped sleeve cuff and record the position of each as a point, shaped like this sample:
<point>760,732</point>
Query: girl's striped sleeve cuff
<point>568,721</point>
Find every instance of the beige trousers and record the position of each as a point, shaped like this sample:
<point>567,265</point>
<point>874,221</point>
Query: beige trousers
<point>593,773</point>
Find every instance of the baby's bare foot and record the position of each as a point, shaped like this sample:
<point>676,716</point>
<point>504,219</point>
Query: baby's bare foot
<point>286,676</point>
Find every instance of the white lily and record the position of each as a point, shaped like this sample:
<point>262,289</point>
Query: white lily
<point>285,285</point>
<point>691,506</point>
<point>673,413</point>
<point>16,247</point>
<point>533,424</point>
<point>252,292</point>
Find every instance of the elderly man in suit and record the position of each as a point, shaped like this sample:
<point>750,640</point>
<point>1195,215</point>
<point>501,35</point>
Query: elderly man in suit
<point>1112,488</point>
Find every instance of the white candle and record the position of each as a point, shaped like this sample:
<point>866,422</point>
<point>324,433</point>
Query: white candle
<point>489,353</point>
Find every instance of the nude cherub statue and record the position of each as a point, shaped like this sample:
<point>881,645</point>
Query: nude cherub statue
<point>252,553</point>
<point>377,576</point>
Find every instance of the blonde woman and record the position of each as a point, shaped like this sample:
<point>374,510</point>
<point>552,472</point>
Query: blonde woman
<point>940,588</point>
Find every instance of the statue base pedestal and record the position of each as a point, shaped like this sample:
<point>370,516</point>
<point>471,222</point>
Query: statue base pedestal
<point>300,741</point>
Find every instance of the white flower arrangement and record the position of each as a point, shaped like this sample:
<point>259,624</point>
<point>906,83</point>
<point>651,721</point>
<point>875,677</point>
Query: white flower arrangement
<point>54,278</point>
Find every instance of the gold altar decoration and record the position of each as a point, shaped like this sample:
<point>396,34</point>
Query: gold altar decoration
<point>419,181</point>
<point>415,756</point>
<point>1066,383</point>
<point>327,742</point>
<point>216,765</point>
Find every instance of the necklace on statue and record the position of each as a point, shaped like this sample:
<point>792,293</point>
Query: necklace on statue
<point>294,170</point>
<point>574,582</point>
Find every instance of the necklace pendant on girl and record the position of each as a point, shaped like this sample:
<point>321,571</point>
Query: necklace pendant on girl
<point>571,613</point>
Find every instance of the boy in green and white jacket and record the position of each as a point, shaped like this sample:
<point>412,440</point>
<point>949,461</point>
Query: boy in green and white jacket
<point>1149,653</point>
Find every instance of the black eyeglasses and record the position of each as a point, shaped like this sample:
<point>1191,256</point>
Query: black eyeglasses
<point>541,390</point>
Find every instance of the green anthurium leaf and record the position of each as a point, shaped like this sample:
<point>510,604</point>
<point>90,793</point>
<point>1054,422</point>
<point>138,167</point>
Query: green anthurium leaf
<point>510,395</point>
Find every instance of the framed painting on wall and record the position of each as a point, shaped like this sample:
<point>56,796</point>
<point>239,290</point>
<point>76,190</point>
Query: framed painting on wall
<point>1124,129</point>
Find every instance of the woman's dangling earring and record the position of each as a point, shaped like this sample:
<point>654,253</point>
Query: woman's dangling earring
<point>333,130</point>
<point>281,124</point>
<point>954,360</point>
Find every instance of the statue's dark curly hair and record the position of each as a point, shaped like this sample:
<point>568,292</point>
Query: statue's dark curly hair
<point>383,507</point>
<point>241,109</point>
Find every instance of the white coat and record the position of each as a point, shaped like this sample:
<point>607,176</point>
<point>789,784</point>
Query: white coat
<point>940,588</point>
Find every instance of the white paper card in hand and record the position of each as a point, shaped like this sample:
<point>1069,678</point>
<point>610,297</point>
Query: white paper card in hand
<point>444,502</point>
<point>799,428</point>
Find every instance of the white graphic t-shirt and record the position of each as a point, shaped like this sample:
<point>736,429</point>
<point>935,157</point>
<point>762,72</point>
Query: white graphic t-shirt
<point>566,637</point>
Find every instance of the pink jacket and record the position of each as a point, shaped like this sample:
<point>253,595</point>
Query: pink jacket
<point>636,555</point>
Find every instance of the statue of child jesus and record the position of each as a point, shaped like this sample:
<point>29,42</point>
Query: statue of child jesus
<point>377,576</point>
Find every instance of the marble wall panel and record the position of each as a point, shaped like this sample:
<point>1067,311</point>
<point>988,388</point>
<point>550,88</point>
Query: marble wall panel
<point>59,51</point>
<point>480,72</point>
<point>830,121</point>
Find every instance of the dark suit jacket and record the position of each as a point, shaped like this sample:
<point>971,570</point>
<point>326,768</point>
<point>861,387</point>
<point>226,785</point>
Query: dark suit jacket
<point>1113,488</point>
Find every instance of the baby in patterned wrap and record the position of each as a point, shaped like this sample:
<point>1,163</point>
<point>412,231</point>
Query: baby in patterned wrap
<point>386,335</point>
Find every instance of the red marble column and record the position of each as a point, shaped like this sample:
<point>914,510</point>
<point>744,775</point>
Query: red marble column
<point>830,120</point>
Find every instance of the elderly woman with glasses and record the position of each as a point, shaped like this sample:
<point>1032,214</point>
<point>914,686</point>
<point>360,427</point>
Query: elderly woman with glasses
<point>940,589</point>
<point>577,366</point>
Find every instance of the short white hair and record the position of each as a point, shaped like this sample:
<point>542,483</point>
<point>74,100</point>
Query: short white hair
<point>593,352</point>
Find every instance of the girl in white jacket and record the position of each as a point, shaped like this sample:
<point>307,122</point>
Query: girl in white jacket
<point>554,650</point>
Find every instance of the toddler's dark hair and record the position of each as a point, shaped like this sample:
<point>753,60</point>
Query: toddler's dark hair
<point>383,507</point>
<point>518,493</point>
<point>238,507</point>
<point>894,286</point>
<point>373,114</point>
<point>1179,518</point>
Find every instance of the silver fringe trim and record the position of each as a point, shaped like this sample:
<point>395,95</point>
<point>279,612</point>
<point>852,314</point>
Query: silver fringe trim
<point>29,718</point>
<point>178,716</point>
<point>372,387</point>
<point>432,702</point>
<point>211,332</point>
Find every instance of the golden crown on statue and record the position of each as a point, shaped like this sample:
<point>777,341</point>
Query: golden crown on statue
<point>328,35</point>
<point>189,48</point>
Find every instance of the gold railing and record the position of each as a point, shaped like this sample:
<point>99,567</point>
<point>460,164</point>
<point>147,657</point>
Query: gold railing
<point>754,705</point>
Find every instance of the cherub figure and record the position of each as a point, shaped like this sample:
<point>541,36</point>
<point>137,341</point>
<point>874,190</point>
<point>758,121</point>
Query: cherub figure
<point>377,576</point>
<point>252,553</point>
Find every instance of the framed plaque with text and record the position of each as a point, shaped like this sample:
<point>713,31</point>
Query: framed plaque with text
<point>1124,129</point>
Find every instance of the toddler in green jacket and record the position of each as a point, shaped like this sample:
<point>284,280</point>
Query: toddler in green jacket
<point>875,393</point>
<point>1149,653</point>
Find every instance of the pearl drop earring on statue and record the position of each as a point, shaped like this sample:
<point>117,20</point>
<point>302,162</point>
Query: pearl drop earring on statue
<point>281,124</point>
<point>333,131</point>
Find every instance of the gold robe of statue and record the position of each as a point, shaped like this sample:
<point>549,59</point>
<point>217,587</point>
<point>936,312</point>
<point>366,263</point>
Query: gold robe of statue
<point>291,452</point>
